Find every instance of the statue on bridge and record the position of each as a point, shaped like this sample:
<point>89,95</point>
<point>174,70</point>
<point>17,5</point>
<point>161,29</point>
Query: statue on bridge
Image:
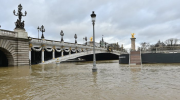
<point>132,34</point>
<point>91,39</point>
<point>18,23</point>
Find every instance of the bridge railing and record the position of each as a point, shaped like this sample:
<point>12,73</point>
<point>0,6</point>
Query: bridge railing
<point>8,33</point>
<point>58,43</point>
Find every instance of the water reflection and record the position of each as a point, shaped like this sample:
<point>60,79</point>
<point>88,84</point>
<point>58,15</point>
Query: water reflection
<point>94,77</point>
<point>69,81</point>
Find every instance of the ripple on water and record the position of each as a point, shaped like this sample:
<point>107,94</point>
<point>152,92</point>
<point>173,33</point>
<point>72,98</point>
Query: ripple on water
<point>69,81</point>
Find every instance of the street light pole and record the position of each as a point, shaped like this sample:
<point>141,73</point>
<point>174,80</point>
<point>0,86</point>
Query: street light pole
<point>42,29</point>
<point>62,34</point>
<point>75,36</point>
<point>38,33</point>
<point>93,16</point>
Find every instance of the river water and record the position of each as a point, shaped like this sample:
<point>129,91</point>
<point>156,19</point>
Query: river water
<point>76,81</point>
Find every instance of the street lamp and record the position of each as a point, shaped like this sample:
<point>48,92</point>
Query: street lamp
<point>93,16</point>
<point>62,34</point>
<point>85,40</point>
<point>38,33</point>
<point>42,29</point>
<point>75,36</point>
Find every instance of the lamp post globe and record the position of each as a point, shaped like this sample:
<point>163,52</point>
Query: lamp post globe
<point>93,17</point>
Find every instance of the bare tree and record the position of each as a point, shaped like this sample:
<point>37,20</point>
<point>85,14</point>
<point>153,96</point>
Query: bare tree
<point>171,42</point>
<point>145,46</point>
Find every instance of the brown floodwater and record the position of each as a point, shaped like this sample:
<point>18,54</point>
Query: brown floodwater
<point>76,81</point>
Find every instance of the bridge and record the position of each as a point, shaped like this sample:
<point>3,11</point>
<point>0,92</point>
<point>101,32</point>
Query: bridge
<point>18,49</point>
<point>62,50</point>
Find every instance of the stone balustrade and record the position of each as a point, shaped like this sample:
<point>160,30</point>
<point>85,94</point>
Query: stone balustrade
<point>8,33</point>
<point>51,43</point>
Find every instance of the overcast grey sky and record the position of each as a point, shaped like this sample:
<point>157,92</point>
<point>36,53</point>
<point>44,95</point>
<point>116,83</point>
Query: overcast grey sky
<point>150,20</point>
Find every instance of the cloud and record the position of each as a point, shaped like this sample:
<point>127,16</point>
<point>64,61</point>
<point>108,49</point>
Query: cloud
<point>116,19</point>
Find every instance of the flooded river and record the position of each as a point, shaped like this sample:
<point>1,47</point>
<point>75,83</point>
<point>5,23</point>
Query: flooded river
<point>76,81</point>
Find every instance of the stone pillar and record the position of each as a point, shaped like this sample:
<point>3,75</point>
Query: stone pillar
<point>42,55</point>
<point>62,54</point>
<point>69,51</point>
<point>53,54</point>
<point>21,33</point>
<point>133,44</point>
<point>29,56</point>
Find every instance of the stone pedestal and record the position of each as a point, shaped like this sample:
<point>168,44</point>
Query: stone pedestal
<point>21,33</point>
<point>133,44</point>
<point>91,43</point>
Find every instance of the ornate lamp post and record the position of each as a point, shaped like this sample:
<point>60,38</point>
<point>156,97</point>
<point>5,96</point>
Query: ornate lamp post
<point>85,40</point>
<point>38,33</point>
<point>62,34</point>
<point>42,30</point>
<point>18,23</point>
<point>75,36</point>
<point>93,16</point>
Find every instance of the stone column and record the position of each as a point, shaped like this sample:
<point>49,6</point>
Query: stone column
<point>62,54</point>
<point>29,56</point>
<point>69,51</point>
<point>53,54</point>
<point>133,44</point>
<point>42,55</point>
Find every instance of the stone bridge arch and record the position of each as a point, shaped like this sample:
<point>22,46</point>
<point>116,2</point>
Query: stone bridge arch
<point>8,50</point>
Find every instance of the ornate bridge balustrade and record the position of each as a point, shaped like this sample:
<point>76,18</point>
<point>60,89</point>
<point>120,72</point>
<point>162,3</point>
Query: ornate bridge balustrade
<point>49,49</point>
<point>8,33</point>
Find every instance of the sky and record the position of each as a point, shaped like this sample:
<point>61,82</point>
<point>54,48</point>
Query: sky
<point>150,20</point>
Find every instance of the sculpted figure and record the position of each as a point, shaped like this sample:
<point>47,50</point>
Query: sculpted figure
<point>22,24</point>
<point>132,34</point>
<point>91,39</point>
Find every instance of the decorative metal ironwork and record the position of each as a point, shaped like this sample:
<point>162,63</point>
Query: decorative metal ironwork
<point>18,23</point>
<point>75,36</point>
<point>42,29</point>
<point>86,40</point>
<point>62,34</point>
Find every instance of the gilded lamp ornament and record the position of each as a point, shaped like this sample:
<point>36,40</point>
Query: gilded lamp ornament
<point>132,34</point>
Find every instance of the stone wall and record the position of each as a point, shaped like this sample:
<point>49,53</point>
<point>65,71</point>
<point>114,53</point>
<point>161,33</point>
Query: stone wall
<point>15,49</point>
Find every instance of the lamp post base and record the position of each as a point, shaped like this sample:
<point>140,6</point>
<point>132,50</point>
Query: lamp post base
<point>94,69</point>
